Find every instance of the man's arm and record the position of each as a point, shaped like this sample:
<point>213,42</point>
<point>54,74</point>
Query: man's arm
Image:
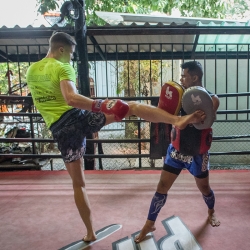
<point>74,99</point>
<point>118,108</point>
<point>216,104</point>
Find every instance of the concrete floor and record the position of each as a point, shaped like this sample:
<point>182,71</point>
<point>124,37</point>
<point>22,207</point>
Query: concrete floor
<point>37,210</point>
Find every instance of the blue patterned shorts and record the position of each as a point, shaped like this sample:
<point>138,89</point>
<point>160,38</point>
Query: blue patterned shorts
<point>71,129</point>
<point>197,165</point>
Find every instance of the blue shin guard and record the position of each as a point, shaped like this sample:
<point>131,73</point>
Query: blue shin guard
<point>209,200</point>
<point>157,203</point>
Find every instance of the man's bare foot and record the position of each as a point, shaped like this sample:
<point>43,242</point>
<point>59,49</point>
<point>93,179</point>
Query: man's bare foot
<point>90,237</point>
<point>213,221</point>
<point>147,228</point>
<point>196,117</point>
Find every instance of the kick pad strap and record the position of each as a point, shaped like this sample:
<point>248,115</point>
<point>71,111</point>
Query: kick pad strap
<point>159,137</point>
<point>191,141</point>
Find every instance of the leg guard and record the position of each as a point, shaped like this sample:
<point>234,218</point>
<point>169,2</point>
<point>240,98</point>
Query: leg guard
<point>157,203</point>
<point>209,200</point>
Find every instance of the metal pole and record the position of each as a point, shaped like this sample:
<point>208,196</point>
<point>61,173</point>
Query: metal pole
<point>83,73</point>
<point>82,52</point>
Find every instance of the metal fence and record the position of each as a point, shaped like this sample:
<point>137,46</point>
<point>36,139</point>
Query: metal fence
<point>137,76</point>
<point>124,146</point>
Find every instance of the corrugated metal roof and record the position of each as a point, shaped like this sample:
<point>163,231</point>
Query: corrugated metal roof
<point>159,34</point>
<point>114,18</point>
<point>206,42</point>
<point>224,42</point>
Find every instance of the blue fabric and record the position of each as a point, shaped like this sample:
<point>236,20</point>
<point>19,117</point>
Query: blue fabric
<point>158,201</point>
<point>209,200</point>
<point>196,165</point>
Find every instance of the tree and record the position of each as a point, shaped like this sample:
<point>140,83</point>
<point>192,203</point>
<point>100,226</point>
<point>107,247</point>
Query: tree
<point>17,80</point>
<point>188,8</point>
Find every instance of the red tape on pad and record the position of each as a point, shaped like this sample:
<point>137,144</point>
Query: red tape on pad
<point>197,98</point>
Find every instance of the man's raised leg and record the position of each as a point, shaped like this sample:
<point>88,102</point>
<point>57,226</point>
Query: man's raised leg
<point>154,114</point>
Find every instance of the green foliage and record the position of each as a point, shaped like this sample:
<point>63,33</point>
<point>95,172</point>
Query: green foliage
<point>3,79</point>
<point>187,8</point>
<point>211,8</point>
<point>134,75</point>
<point>239,9</point>
<point>18,77</point>
<point>46,5</point>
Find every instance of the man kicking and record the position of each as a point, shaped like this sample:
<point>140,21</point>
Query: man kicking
<point>71,116</point>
